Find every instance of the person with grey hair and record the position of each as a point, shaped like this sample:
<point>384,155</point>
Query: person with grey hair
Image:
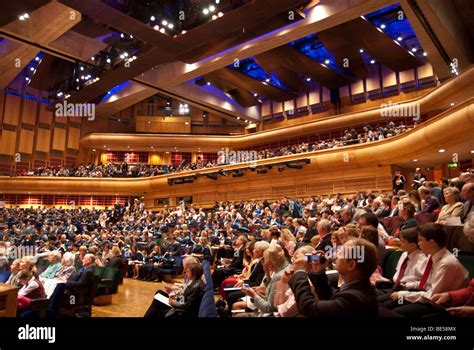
<point>453,207</point>
<point>54,258</point>
<point>325,232</point>
<point>62,274</point>
<point>85,275</point>
<point>467,194</point>
<point>469,227</point>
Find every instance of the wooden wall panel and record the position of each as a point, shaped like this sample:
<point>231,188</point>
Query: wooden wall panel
<point>45,116</point>
<point>43,140</point>
<point>12,110</point>
<point>277,107</point>
<point>26,141</point>
<point>373,80</point>
<point>289,105</point>
<point>59,139</point>
<point>357,87</point>
<point>29,112</point>
<point>163,124</point>
<point>314,97</point>
<point>425,71</point>
<point>302,100</point>
<point>8,142</point>
<point>266,108</point>
<point>407,75</point>
<point>73,138</point>
<point>389,77</point>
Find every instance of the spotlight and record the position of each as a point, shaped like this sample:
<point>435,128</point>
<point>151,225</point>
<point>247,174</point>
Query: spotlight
<point>156,27</point>
<point>164,22</point>
<point>208,83</point>
<point>81,68</point>
<point>125,54</point>
<point>183,32</point>
<point>414,49</point>
<point>361,50</point>
<point>92,58</point>
<point>327,61</point>
<point>218,1</point>
<point>220,14</point>
<point>152,18</point>
<point>121,35</point>
<point>267,80</point>
<point>162,30</point>
<point>382,26</point>
<point>214,17</point>
<point>212,8</point>
<point>425,54</point>
<point>59,94</point>
<point>27,79</point>
<point>399,38</point>
<point>441,150</point>
<point>372,61</point>
<point>170,25</point>
<point>308,79</point>
<point>108,60</point>
<point>255,95</point>
<point>32,69</point>
<point>37,58</point>
<point>205,11</point>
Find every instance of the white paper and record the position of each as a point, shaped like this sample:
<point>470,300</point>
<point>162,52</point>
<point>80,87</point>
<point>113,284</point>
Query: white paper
<point>453,221</point>
<point>162,299</point>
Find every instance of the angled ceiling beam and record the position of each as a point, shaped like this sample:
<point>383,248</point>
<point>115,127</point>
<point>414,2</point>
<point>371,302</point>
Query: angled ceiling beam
<point>45,25</point>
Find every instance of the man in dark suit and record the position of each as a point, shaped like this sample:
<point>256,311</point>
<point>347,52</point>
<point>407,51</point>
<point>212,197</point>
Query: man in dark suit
<point>325,232</point>
<point>418,179</point>
<point>398,182</point>
<point>355,299</point>
<point>85,275</point>
<point>235,266</point>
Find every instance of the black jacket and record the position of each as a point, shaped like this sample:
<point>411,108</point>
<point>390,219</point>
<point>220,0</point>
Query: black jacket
<point>256,276</point>
<point>357,300</point>
<point>324,242</point>
<point>190,301</point>
<point>82,278</point>
<point>116,262</point>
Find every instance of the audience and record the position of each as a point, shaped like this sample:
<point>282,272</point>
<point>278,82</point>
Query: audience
<point>453,207</point>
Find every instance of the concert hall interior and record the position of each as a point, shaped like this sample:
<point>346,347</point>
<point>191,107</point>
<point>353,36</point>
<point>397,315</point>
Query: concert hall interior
<point>237,158</point>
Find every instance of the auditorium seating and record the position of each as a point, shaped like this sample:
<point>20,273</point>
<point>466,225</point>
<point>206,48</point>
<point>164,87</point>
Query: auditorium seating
<point>208,306</point>
<point>108,284</point>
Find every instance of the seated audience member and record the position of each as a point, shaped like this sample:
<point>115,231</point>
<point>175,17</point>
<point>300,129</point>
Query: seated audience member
<point>254,279</point>
<point>453,206</point>
<point>407,213</point>
<point>414,197</point>
<point>54,264</point>
<point>288,240</point>
<point>469,228</point>
<point>116,261</point>
<point>435,191</point>
<point>284,297</point>
<point>370,219</point>
<point>460,302</point>
<point>325,232</point>
<point>467,194</point>
<point>234,267</point>
<point>80,255</point>
<point>62,274</point>
<point>355,299</point>
<point>410,266</point>
<point>371,234</point>
<point>430,202</point>
<point>247,262</point>
<point>3,254</point>
<point>443,272</point>
<point>183,302</point>
<point>85,275</point>
<point>31,289</point>
<point>202,249</point>
<point>14,269</point>
<point>27,263</point>
<point>274,266</point>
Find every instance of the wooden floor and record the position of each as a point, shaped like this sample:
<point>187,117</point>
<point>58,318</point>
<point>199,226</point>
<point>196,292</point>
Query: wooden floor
<point>132,299</point>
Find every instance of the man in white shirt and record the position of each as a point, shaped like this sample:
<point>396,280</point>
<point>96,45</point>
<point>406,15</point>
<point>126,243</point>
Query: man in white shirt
<point>443,273</point>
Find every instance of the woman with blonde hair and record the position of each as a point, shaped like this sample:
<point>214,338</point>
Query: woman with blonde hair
<point>274,265</point>
<point>288,240</point>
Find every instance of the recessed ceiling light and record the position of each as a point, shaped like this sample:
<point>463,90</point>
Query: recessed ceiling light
<point>239,118</point>
<point>186,123</point>
<point>214,17</point>
<point>170,25</point>
<point>441,150</point>
<point>327,61</point>
<point>308,79</point>
<point>32,69</point>
<point>267,80</point>
<point>255,95</point>
<point>212,8</point>
<point>372,61</point>
<point>415,160</point>
<point>208,83</point>
<point>452,104</point>
<point>472,151</point>
<point>164,22</point>
<point>399,38</point>
<point>382,26</point>
<point>361,50</point>
<point>109,60</point>
<point>183,32</point>
<point>152,18</point>
<point>414,49</point>
<point>220,14</point>
<point>156,27</point>
<point>37,58</point>
<point>425,54</point>
<point>205,11</point>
